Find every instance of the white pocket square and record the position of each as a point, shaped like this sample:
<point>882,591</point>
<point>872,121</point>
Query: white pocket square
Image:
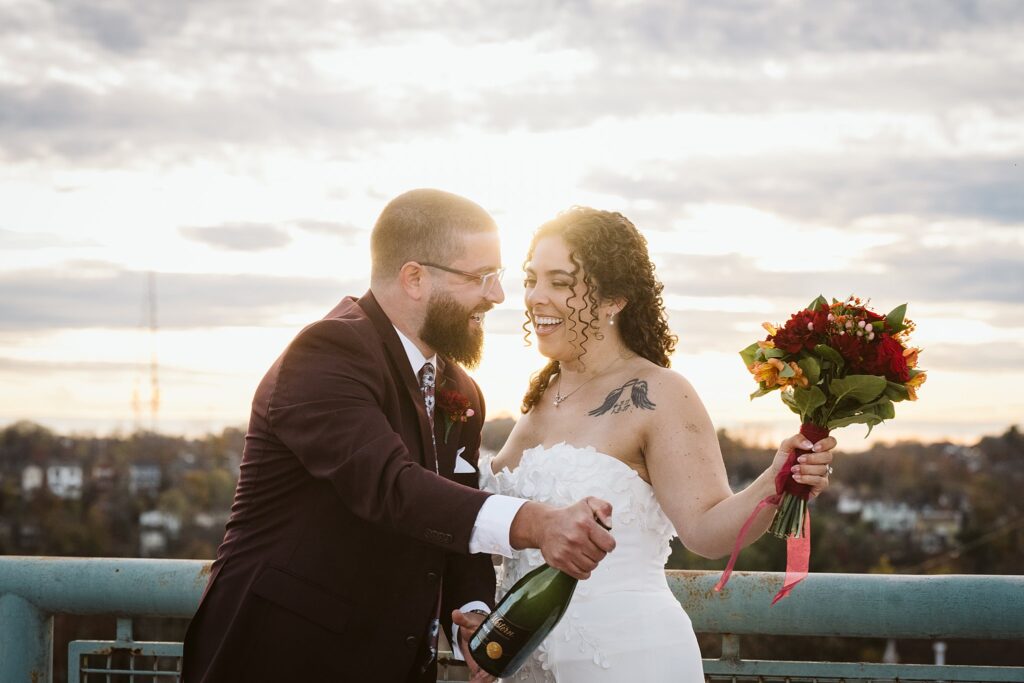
<point>462,465</point>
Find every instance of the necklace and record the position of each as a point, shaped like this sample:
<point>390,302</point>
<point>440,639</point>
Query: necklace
<point>559,399</point>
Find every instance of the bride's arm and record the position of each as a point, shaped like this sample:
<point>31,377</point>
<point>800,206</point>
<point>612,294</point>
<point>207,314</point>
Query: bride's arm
<point>689,477</point>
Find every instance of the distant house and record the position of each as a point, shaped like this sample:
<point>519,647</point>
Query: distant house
<point>144,478</point>
<point>156,529</point>
<point>938,529</point>
<point>889,517</point>
<point>65,481</point>
<point>32,478</point>
<point>848,505</point>
<point>103,477</point>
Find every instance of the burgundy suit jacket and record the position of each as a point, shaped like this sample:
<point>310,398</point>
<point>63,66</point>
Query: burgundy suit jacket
<point>340,533</point>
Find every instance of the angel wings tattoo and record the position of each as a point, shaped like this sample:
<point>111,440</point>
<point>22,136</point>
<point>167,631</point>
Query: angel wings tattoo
<point>615,403</point>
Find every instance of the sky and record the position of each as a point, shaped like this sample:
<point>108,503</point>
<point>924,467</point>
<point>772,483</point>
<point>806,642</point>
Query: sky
<point>240,152</point>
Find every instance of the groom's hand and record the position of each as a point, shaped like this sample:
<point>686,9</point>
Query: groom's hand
<point>468,623</point>
<point>573,539</point>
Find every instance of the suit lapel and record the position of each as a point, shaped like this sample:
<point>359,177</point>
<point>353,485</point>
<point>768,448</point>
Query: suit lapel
<point>445,451</point>
<point>402,372</point>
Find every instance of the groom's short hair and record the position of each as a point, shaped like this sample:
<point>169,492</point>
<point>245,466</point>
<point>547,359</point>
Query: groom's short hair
<point>423,225</point>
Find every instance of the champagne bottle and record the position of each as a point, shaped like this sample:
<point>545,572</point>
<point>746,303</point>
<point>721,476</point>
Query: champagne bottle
<point>521,621</point>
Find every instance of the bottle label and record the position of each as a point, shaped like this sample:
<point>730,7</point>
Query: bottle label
<point>502,626</point>
<point>498,642</point>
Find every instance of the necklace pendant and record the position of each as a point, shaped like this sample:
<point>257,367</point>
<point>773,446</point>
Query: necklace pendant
<point>558,401</point>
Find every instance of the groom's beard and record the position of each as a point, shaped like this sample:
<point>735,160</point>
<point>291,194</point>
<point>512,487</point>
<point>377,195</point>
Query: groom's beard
<point>448,331</point>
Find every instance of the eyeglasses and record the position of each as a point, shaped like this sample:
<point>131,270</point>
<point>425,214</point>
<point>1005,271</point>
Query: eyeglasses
<point>486,280</point>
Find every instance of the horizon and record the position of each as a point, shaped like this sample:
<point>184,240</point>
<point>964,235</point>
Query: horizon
<point>767,156</point>
<point>753,436</point>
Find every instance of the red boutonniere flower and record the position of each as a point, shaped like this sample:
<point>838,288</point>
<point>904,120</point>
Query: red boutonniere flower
<point>454,407</point>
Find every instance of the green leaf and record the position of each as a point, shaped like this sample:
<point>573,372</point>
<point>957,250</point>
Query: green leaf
<point>820,301</point>
<point>894,321</point>
<point>790,401</point>
<point>871,414</point>
<point>787,371</point>
<point>895,391</point>
<point>811,367</point>
<point>806,401</point>
<point>748,354</point>
<point>826,352</point>
<point>884,409</point>
<point>861,389</point>
<point>762,392</point>
<point>773,353</point>
<point>870,419</point>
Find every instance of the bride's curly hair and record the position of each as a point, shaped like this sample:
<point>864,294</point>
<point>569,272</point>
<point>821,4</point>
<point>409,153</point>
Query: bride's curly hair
<point>612,257</point>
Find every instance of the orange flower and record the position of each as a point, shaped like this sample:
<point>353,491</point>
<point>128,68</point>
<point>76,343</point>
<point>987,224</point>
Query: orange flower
<point>915,382</point>
<point>910,355</point>
<point>767,373</point>
<point>769,344</point>
<point>772,330</point>
<point>797,380</point>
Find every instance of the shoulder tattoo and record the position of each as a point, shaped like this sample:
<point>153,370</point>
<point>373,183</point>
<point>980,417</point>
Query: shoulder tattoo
<point>616,402</point>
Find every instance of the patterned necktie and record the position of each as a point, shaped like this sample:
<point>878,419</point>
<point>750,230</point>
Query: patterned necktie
<point>427,379</point>
<point>427,387</point>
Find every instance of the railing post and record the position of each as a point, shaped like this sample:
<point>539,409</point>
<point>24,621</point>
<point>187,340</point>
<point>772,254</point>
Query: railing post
<point>26,641</point>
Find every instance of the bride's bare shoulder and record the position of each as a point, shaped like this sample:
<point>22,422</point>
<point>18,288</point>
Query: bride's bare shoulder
<point>673,392</point>
<point>520,438</point>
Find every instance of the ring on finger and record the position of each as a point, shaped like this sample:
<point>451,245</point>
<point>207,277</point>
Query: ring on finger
<point>828,470</point>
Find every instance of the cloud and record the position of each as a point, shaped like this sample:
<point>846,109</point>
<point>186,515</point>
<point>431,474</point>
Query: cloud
<point>905,272</point>
<point>74,122</point>
<point>239,236</point>
<point>153,76</point>
<point>833,189</point>
<point>987,358</point>
<point>14,239</point>
<point>37,368</point>
<point>330,228</point>
<point>77,297</point>
<point>122,25</point>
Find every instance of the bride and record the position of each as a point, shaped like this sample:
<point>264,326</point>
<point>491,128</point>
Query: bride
<point>606,417</point>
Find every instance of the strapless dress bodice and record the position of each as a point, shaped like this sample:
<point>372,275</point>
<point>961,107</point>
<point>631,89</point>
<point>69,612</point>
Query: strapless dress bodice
<point>563,474</point>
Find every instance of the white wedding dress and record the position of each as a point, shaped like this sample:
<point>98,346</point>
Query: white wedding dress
<point>623,623</point>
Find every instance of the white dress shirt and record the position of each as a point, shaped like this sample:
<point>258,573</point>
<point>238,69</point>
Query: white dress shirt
<point>493,523</point>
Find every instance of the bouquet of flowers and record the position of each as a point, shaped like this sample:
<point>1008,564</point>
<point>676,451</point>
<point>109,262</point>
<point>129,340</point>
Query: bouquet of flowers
<point>834,364</point>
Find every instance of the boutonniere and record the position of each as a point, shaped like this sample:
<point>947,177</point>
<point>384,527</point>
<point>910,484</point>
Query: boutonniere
<point>454,408</point>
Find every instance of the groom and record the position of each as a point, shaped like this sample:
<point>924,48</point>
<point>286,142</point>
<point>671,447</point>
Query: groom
<point>357,524</point>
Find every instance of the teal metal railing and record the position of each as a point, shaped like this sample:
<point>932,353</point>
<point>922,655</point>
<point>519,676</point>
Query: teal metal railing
<point>33,589</point>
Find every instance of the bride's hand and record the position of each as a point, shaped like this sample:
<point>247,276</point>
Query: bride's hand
<point>812,468</point>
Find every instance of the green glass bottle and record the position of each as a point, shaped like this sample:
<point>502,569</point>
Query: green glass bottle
<point>521,621</point>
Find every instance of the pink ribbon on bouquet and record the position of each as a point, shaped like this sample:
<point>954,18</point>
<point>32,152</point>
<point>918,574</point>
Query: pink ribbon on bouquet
<point>798,550</point>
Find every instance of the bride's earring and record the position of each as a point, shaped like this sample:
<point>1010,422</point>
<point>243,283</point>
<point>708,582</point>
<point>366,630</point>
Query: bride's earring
<point>611,319</point>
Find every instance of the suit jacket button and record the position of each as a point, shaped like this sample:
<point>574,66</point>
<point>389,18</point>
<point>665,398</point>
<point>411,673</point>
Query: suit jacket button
<point>432,577</point>
<point>410,642</point>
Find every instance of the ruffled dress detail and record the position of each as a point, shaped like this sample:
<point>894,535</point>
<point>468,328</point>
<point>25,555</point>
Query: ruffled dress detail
<point>624,623</point>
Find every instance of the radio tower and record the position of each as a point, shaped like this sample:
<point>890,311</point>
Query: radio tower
<point>154,378</point>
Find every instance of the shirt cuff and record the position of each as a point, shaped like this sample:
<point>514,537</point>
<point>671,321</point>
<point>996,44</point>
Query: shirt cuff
<point>456,650</point>
<point>493,524</point>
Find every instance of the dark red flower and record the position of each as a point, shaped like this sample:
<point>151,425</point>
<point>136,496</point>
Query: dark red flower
<point>801,331</point>
<point>851,348</point>
<point>454,405</point>
<point>885,357</point>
